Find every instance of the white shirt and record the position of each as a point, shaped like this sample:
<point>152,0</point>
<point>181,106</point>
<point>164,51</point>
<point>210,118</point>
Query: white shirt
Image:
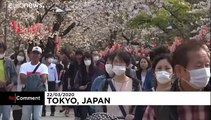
<point>28,68</point>
<point>52,73</point>
<point>142,80</point>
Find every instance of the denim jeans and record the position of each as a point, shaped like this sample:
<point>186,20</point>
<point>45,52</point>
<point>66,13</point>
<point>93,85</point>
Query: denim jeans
<point>5,112</point>
<point>34,110</point>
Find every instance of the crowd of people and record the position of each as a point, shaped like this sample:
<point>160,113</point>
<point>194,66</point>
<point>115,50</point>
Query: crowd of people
<point>185,69</point>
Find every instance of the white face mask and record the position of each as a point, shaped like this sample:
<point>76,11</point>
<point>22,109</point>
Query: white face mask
<point>50,60</point>
<point>199,78</point>
<point>108,68</point>
<point>87,62</point>
<point>163,77</point>
<point>96,58</point>
<point>2,56</point>
<point>119,70</point>
<point>68,65</point>
<point>55,61</point>
<point>20,58</point>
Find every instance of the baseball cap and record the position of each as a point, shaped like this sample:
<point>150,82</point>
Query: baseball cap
<point>37,49</point>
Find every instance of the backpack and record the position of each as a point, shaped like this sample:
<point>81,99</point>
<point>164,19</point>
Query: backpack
<point>33,83</point>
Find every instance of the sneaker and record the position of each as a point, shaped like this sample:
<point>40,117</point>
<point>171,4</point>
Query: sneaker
<point>62,110</point>
<point>52,114</point>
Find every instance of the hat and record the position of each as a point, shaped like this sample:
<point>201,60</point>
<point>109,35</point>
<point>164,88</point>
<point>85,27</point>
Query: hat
<point>37,48</point>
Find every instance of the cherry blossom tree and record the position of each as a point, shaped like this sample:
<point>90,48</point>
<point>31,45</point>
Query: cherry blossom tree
<point>97,23</point>
<point>91,24</point>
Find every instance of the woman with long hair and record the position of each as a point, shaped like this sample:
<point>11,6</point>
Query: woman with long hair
<point>20,58</point>
<point>142,66</point>
<point>83,81</point>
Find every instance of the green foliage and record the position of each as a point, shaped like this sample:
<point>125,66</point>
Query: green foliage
<point>141,19</point>
<point>175,12</point>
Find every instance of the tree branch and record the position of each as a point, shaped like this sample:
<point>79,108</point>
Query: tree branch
<point>172,14</point>
<point>68,29</point>
<point>1,4</point>
<point>56,26</point>
<point>126,38</point>
<point>46,12</point>
<point>132,35</point>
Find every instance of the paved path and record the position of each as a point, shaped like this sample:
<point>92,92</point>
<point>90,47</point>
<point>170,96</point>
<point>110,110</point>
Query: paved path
<point>58,115</point>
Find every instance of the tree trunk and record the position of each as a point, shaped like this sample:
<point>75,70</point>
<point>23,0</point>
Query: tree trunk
<point>5,27</point>
<point>1,4</point>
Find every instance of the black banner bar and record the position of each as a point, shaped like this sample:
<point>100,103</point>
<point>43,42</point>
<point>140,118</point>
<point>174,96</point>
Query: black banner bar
<point>22,98</point>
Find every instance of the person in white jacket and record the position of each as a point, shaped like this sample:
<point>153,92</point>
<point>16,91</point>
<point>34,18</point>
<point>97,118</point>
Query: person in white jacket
<point>52,79</point>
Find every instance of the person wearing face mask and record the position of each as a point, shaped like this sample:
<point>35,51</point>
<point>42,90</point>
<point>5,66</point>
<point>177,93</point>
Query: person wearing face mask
<point>109,73</point>
<point>98,61</point>
<point>162,68</point>
<point>194,71</point>
<point>98,81</point>
<point>121,82</point>
<point>150,81</point>
<point>18,61</point>
<point>52,80</point>
<point>83,81</point>
<point>8,78</point>
<point>192,68</point>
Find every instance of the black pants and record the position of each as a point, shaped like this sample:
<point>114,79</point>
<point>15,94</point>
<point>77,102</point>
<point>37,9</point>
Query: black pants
<point>81,112</point>
<point>17,114</point>
<point>51,87</point>
<point>139,112</point>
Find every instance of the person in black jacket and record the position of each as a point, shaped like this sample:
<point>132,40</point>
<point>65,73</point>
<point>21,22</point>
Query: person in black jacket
<point>83,81</point>
<point>65,81</point>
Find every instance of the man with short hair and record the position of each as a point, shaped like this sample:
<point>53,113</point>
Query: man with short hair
<point>8,78</point>
<point>192,67</point>
<point>25,71</point>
